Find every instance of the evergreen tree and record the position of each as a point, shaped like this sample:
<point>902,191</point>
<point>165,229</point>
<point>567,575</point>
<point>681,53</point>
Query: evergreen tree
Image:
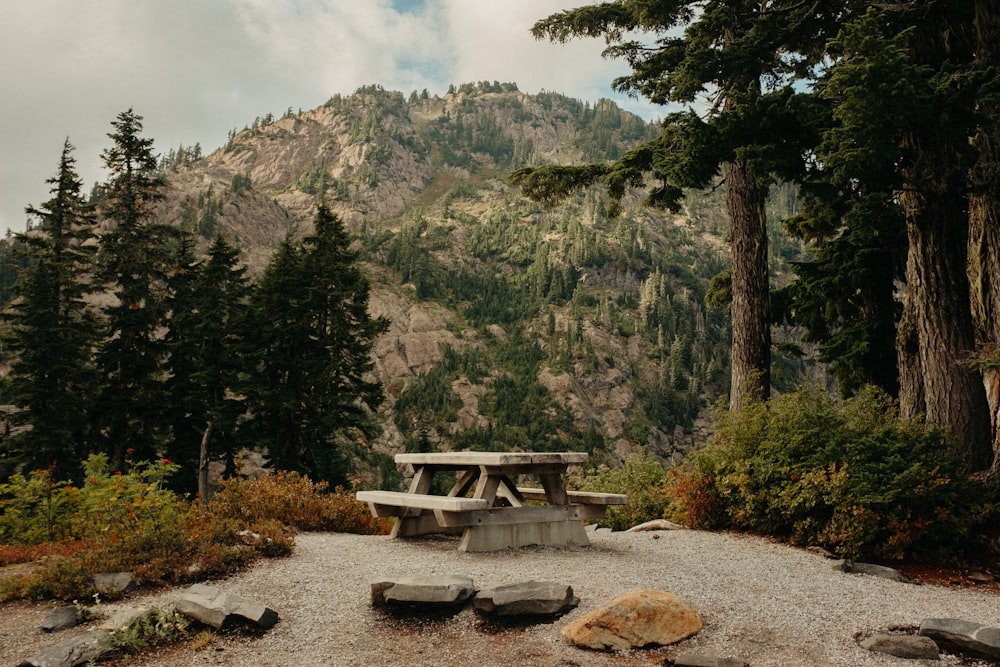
<point>208,307</point>
<point>742,56</point>
<point>136,257</point>
<point>51,381</point>
<point>309,387</point>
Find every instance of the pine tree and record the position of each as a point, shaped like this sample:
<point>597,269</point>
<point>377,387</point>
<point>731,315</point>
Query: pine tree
<point>744,58</point>
<point>136,257</point>
<point>309,388</point>
<point>208,307</point>
<point>51,381</point>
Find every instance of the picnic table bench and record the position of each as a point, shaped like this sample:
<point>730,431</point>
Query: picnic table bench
<point>486,506</point>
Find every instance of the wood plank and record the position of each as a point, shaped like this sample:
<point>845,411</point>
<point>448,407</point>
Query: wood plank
<point>502,516</point>
<point>421,501</point>
<point>492,458</point>
<point>581,497</point>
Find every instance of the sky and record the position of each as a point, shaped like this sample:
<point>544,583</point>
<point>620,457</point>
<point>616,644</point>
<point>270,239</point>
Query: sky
<point>196,69</point>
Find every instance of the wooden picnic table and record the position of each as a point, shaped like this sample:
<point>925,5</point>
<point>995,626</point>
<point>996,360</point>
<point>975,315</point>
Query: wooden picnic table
<point>486,505</point>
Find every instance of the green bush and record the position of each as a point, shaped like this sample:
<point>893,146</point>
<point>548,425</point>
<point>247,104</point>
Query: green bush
<point>850,476</point>
<point>642,479</point>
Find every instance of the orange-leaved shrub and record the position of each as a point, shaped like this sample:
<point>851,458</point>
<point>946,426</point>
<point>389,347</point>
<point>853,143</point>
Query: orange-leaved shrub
<point>851,476</point>
<point>296,501</point>
<point>131,521</point>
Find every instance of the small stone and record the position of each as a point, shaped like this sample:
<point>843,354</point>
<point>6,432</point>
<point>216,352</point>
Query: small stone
<point>903,646</point>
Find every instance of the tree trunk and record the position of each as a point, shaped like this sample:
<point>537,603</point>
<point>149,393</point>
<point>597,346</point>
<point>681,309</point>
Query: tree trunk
<point>751,360</point>
<point>935,202</point>
<point>203,459</point>
<point>984,223</point>
<point>938,287</point>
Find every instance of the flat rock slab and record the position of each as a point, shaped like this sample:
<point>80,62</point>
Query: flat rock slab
<point>872,570</point>
<point>636,619</point>
<point>526,599</point>
<point>215,607</point>
<point>903,646</point>
<point>74,651</point>
<point>436,591</point>
<point>61,618</point>
<point>964,636</point>
<point>704,660</point>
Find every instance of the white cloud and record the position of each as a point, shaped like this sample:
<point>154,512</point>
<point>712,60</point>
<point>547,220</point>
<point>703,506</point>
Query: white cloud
<point>197,68</point>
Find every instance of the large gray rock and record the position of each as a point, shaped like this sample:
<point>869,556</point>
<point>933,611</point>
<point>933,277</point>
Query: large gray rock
<point>872,570</point>
<point>114,584</point>
<point>61,618</point>
<point>77,650</point>
<point>963,636</point>
<point>903,646</point>
<point>213,606</point>
<point>429,592</point>
<point>529,598</point>
<point>636,619</point>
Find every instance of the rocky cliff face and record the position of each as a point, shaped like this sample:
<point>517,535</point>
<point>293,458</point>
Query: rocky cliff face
<point>473,278</point>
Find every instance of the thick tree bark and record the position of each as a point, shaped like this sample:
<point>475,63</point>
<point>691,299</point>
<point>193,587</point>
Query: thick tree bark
<point>984,222</point>
<point>751,360</point>
<point>935,202</point>
<point>938,287</point>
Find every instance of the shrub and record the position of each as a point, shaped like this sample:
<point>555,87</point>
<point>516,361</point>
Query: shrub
<point>293,500</point>
<point>850,476</point>
<point>642,479</point>
<point>36,508</point>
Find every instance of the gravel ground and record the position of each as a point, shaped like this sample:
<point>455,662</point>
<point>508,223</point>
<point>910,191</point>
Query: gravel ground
<point>769,604</point>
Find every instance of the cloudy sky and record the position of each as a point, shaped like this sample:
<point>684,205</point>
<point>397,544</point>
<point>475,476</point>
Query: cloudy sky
<point>195,69</point>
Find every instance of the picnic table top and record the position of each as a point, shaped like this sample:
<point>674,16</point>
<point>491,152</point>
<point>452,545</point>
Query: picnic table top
<point>492,458</point>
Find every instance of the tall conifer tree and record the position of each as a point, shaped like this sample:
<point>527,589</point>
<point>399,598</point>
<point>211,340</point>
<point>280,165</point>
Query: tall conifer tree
<point>53,332</point>
<point>741,58</point>
<point>208,310</point>
<point>310,387</point>
<point>136,256</point>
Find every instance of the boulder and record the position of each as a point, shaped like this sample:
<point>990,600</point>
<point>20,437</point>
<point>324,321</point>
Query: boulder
<point>529,598</point>
<point>903,646</point>
<point>871,569</point>
<point>77,650</point>
<point>114,584</point>
<point>435,592</point>
<point>964,636</point>
<point>213,606</point>
<point>61,618</point>
<point>636,619</point>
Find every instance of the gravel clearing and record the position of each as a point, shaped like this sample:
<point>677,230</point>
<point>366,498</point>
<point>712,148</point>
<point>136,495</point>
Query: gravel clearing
<point>767,603</point>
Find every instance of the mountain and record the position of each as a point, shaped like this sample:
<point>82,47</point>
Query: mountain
<point>512,324</point>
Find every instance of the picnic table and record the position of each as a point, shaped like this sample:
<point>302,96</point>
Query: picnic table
<point>486,505</point>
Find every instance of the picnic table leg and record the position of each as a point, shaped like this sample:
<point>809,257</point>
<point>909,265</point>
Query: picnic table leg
<point>414,522</point>
<point>496,537</point>
<point>554,489</point>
